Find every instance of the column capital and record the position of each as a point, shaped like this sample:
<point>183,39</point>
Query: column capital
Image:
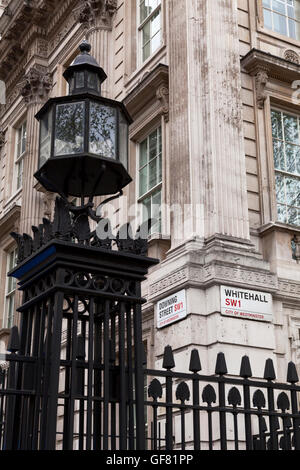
<point>36,85</point>
<point>96,13</point>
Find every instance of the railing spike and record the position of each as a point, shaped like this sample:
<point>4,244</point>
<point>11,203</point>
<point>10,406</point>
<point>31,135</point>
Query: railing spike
<point>269,373</point>
<point>292,374</point>
<point>14,340</point>
<point>245,371</point>
<point>195,363</point>
<point>80,347</point>
<point>221,367</point>
<point>168,362</point>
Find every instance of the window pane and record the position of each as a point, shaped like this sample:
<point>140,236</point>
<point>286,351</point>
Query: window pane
<point>280,24</point>
<point>268,19</point>
<point>280,188</point>
<point>156,212</point>
<point>103,130</point>
<point>278,6</point>
<point>276,125</point>
<point>150,164</point>
<point>69,129</point>
<point>153,173</point>
<point>146,209</point>
<point>45,139</point>
<point>19,174</point>
<point>290,158</point>
<point>282,217</point>
<point>143,153</point>
<point>143,181</point>
<point>278,151</point>
<point>10,311</point>
<point>286,161</point>
<point>153,145</point>
<point>290,128</point>
<point>282,16</point>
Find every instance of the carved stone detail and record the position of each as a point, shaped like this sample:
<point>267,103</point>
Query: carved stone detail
<point>297,248</point>
<point>92,13</point>
<point>289,288</point>
<point>261,80</point>
<point>216,273</point>
<point>291,56</point>
<point>162,94</point>
<point>36,85</point>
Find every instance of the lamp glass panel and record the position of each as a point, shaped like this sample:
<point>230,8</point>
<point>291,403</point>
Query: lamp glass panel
<point>69,129</point>
<point>102,130</point>
<point>92,81</point>
<point>123,140</point>
<point>79,79</point>
<point>45,137</point>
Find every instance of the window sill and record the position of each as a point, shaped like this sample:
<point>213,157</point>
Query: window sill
<point>282,37</point>
<point>279,227</point>
<point>12,198</point>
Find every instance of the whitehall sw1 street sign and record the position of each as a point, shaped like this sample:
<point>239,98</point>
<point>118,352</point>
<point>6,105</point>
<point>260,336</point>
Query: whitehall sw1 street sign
<point>246,304</point>
<point>171,309</point>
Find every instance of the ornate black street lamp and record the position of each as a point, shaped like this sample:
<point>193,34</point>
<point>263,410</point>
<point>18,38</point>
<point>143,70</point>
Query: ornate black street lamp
<point>83,136</point>
<point>73,277</point>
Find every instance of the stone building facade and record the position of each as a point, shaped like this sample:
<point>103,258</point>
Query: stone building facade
<point>212,87</point>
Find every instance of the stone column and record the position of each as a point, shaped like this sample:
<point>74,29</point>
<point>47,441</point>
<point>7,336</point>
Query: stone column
<point>206,135</point>
<point>34,89</point>
<point>96,16</point>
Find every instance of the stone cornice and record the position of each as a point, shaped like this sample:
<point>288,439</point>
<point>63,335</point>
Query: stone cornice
<point>211,274</point>
<point>153,85</point>
<point>29,19</point>
<point>275,67</point>
<point>264,66</point>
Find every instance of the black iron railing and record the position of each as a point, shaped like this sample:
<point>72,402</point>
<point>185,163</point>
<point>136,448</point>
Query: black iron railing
<point>184,411</point>
<point>193,411</point>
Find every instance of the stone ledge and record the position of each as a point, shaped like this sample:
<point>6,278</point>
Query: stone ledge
<point>211,274</point>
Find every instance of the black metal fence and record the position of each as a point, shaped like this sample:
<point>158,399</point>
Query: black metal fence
<point>193,411</point>
<point>182,411</point>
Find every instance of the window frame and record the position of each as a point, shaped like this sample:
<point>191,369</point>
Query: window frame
<point>274,205</point>
<point>257,11</point>
<point>140,26</point>
<point>156,188</point>
<point>285,16</point>
<point>19,159</point>
<point>10,294</point>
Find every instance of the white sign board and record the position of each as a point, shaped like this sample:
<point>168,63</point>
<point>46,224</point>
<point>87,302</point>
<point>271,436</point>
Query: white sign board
<point>171,309</point>
<point>246,304</point>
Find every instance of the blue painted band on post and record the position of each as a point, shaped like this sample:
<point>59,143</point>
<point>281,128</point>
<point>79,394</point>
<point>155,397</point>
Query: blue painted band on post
<point>34,262</point>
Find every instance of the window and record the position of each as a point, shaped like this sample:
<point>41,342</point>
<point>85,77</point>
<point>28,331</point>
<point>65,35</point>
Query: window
<point>286,149</point>
<point>283,16</point>
<point>10,291</point>
<point>150,178</point>
<point>149,12</point>
<point>20,151</point>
